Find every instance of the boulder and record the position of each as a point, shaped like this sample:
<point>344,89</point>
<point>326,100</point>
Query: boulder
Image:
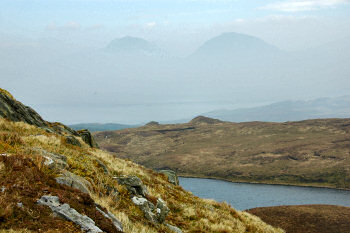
<point>68,213</point>
<point>87,138</point>
<point>133,184</point>
<point>53,161</point>
<point>154,214</point>
<point>72,140</point>
<point>172,176</point>
<point>146,207</point>
<point>74,181</point>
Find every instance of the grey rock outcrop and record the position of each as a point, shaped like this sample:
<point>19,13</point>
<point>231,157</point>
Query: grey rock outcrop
<point>14,110</point>
<point>146,207</point>
<point>87,138</point>
<point>154,214</point>
<point>172,176</point>
<point>173,228</point>
<point>73,141</point>
<point>66,212</point>
<point>133,184</point>
<point>53,161</point>
<point>74,181</point>
<point>139,193</point>
<point>162,210</point>
<point>62,129</point>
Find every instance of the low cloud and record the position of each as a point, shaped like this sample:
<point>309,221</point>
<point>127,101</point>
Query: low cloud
<point>303,5</point>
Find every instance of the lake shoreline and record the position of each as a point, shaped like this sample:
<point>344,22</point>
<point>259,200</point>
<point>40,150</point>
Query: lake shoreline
<point>252,182</point>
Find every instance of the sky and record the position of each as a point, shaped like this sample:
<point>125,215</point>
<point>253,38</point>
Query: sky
<point>51,59</point>
<point>178,25</point>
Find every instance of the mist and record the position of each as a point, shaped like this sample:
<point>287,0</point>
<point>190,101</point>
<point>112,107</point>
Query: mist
<point>166,70</point>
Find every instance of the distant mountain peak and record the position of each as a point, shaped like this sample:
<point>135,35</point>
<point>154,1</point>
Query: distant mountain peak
<point>230,44</point>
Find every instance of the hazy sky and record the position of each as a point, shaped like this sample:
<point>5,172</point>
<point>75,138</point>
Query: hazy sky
<point>177,25</point>
<point>50,55</point>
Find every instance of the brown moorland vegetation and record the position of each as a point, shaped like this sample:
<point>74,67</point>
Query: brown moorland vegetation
<point>310,152</point>
<point>306,218</point>
<point>23,184</point>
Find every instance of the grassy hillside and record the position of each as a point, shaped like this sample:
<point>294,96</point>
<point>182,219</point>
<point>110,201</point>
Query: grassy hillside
<point>25,176</point>
<point>311,152</point>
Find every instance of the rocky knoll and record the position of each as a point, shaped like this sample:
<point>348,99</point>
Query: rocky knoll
<point>14,110</point>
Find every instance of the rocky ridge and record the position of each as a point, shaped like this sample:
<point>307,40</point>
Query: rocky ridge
<point>14,110</point>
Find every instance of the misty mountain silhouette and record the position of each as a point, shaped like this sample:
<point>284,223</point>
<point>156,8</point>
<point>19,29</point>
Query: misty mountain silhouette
<point>235,45</point>
<point>336,107</point>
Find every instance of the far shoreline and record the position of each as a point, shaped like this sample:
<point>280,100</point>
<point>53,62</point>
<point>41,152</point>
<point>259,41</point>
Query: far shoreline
<point>266,183</point>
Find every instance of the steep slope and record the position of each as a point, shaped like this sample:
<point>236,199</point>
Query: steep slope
<point>312,152</point>
<point>43,177</point>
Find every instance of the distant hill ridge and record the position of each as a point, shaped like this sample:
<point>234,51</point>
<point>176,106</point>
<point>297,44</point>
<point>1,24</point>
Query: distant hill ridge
<point>337,107</point>
<point>310,152</point>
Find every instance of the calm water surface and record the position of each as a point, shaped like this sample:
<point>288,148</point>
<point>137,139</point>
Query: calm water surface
<point>246,196</point>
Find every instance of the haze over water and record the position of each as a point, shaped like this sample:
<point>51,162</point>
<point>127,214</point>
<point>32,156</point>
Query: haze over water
<point>110,60</point>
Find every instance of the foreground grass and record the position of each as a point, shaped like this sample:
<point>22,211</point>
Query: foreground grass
<point>20,142</point>
<point>311,153</point>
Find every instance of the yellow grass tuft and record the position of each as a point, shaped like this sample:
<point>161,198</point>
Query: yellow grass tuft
<point>6,93</point>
